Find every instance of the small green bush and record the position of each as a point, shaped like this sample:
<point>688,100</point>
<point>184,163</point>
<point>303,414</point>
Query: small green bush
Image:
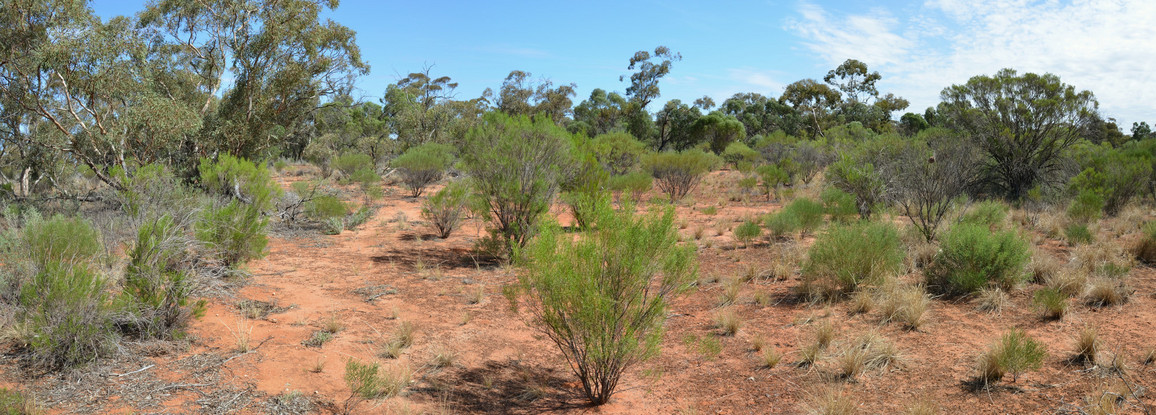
<point>1145,250</point>
<point>65,315</point>
<point>370,381</point>
<point>971,257</point>
<point>15,402</point>
<point>1086,206</point>
<point>60,240</point>
<point>737,152</point>
<point>860,179</point>
<point>618,152</point>
<point>324,207</point>
<point>154,188</point>
<point>236,231</point>
<point>747,231</point>
<point>156,288</point>
<point>1052,302</point>
<point>1078,233</point>
<point>422,165</point>
<point>679,173</point>
<point>446,208</point>
<point>781,223</point>
<point>771,177</point>
<point>839,204</point>
<point>808,212</point>
<point>636,183</point>
<point>585,190</point>
<point>350,163</point>
<point>846,256</point>
<point>1015,353</point>
<point>602,297</point>
<point>989,213</point>
<point>240,179</point>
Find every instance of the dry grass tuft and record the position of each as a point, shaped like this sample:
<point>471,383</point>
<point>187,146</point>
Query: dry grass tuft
<point>924,406</point>
<point>1069,281</point>
<point>862,302</point>
<point>829,401</point>
<point>1104,292</point>
<point>770,357</point>
<point>992,300</point>
<point>905,304</point>
<point>869,351</point>
<point>1087,345</point>
<point>1105,260</point>
<point>1043,267</point>
<point>401,339</point>
<point>728,321</point>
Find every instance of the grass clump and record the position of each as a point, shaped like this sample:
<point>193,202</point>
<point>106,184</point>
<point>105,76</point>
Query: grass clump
<point>1145,250</point>
<point>1078,233</point>
<point>1104,292</point>
<point>869,351</point>
<point>446,208</point>
<point>1086,345</point>
<point>1014,353</point>
<point>1053,303</point>
<point>371,381</point>
<point>401,339</point>
<point>839,204</point>
<point>904,304</point>
<point>602,297</point>
<point>989,213</point>
<point>728,321</point>
<point>747,231</point>
<point>846,256</point>
<point>769,357</point>
<point>829,401</point>
<point>992,300</point>
<point>157,288</point>
<point>971,257</point>
<point>14,402</point>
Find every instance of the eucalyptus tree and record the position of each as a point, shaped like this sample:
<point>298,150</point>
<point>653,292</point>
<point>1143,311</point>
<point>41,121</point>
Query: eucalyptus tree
<point>814,101</point>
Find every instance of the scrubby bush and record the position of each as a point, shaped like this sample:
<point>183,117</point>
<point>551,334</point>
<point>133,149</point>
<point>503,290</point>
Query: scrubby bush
<point>446,208</point>
<point>59,240</point>
<point>325,207</point>
<point>1015,353</point>
<point>928,181</point>
<point>1052,302</point>
<point>679,173</point>
<point>422,165</point>
<point>239,179</point>
<point>771,176</point>
<point>234,230</point>
<point>781,223</point>
<point>517,166</point>
<point>839,204</point>
<point>989,213</point>
<point>808,212</point>
<point>846,256</point>
<point>747,231</point>
<point>618,152</point>
<point>971,257</point>
<point>157,286</point>
<point>351,163</point>
<point>1078,233</point>
<point>585,191</point>
<point>1112,176</point>
<point>1086,206</point>
<point>736,153</point>
<point>636,183</point>
<point>596,296</point>
<point>1145,250</point>
<point>151,187</point>
<point>861,180</point>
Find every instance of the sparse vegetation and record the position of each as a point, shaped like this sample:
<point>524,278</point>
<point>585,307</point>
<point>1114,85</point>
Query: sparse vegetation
<point>679,173</point>
<point>846,256</point>
<point>1014,353</point>
<point>971,258</point>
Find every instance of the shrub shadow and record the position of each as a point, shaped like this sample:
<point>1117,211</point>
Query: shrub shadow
<point>502,388</point>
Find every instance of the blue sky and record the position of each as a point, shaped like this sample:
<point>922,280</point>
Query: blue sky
<point>760,46</point>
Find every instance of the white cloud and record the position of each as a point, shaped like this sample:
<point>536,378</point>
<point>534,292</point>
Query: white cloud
<point>1099,45</point>
<point>765,81</point>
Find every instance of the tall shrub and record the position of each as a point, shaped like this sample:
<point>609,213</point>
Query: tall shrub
<point>422,165</point>
<point>971,257</point>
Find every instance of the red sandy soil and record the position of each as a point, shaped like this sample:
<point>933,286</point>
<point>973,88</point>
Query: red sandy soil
<point>502,365</point>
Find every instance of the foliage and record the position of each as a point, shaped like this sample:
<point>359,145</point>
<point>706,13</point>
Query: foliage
<point>65,316</point>
<point>586,190</point>
<point>781,223</point>
<point>1146,249</point>
<point>370,381</point>
<point>989,213</point>
<point>517,165</point>
<point>747,231</point>
<point>1086,206</point>
<point>679,173</point>
<point>240,179</point>
<point>446,208</point>
<point>619,152</point>
<point>846,256</point>
<point>422,165</point>
<point>1078,233</point>
<point>352,162</point>
<point>596,297</point>
<point>235,231</point>
<point>809,213</point>
<point>929,180</point>
<point>1052,302</point>
<point>1015,353</point>
<point>737,152</point>
<point>151,188</point>
<point>1024,123</point>
<point>637,183</point>
<point>650,69</point>
<point>772,176</point>
<point>60,240</point>
<point>1112,177</point>
<point>325,207</point>
<point>839,204</point>
<point>971,256</point>
<point>861,180</point>
<point>156,287</point>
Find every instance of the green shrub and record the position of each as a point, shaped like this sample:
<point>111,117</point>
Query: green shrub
<point>846,256</point>
<point>596,296</point>
<point>1145,250</point>
<point>636,183</point>
<point>419,166</point>
<point>839,204</point>
<point>446,208</point>
<point>517,166</point>
<point>618,152</point>
<point>781,223</point>
<point>1052,302</point>
<point>971,257</point>
<point>1113,176</point>
<point>771,177</point>
<point>737,152</point>
<point>350,163</point>
<point>585,190</point>
<point>747,231</point>
<point>1078,233</point>
<point>153,188</point>
<point>370,381</point>
<point>679,173</point>
<point>1086,206</point>
<point>988,213</point>
<point>352,221</point>
<point>60,241</point>
<point>861,180</point>
<point>1015,353</point>
<point>156,288</point>
<point>324,207</point>
<point>15,402</point>
<point>65,314</point>
<point>808,212</point>
<point>240,179</point>
<point>235,231</point>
